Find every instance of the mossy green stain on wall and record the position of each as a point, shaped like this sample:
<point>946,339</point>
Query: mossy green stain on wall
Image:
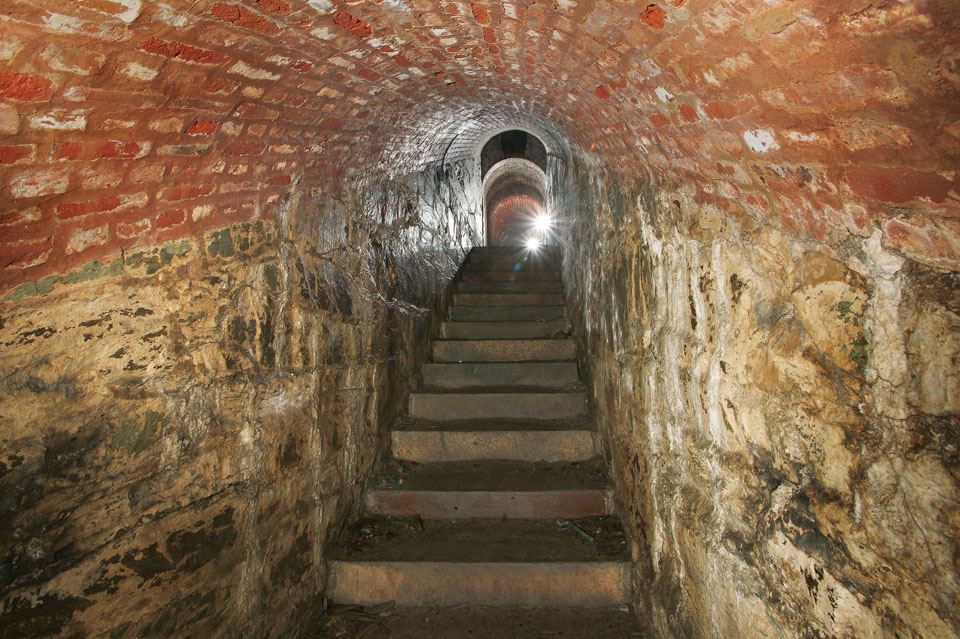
<point>221,244</point>
<point>151,261</point>
<point>137,436</point>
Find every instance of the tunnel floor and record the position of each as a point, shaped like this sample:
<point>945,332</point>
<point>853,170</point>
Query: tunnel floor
<point>494,516</point>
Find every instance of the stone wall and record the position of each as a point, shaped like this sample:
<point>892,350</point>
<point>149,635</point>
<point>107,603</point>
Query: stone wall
<point>185,427</point>
<point>781,415</point>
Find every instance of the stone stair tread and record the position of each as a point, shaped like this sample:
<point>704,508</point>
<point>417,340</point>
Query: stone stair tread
<point>533,313</point>
<point>494,425</point>
<point>504,350</point>
<point>395,539</point>
<point>508,299</point>
<point>492,475</point>
<point>494,622</point>
<point>473,331</point>
<point>519,405</point>
<point>509,287</point>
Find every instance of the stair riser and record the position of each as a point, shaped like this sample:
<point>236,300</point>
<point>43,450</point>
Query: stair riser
<point>508,262</point>
<point>531,446</point>
<point>568,504</point>
<point>508,299</point>
<point>547,375</point>
<point>506,313</point>
<point>509,287</point>
<point>491,584</point>
<point>510,276</point>
<point>504,330</point>
<point>504,350</point>
<point>443,407</point>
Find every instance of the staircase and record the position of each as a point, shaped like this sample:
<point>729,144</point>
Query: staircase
<point>496,494</point>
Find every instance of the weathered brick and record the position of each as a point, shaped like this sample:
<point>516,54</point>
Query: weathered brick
<point>25,87</point>
<point>169,219</point>
<point>352,25</point>
<point>75,209</point>
<point>896,185</point>
<point>38,183</point>
<point>243,18</point>
<point>59,120</point>
<point>182,52</point>
<point>202,128</point>
<point>187,192</point>
<point>9,119</point>
<point>130,230</point>
<point>76,60</point>
<point>17,153</point>
<point>81,239</point>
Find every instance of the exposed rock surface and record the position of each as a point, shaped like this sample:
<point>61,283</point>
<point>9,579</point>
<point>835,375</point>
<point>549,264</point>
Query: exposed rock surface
<point>781,416</point>
<point>184,430</point>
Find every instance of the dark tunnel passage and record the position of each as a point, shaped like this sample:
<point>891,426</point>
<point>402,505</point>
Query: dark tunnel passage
<point>272,324</point>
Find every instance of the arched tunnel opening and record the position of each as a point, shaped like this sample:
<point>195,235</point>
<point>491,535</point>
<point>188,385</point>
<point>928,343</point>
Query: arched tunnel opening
<point>515,205</point>
<point>275,360</point>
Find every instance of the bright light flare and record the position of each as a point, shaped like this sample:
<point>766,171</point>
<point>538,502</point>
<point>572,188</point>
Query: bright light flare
<point>542,223</point>
<point>533,244</point>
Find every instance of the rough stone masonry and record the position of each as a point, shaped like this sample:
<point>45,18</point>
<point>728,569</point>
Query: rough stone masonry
<point>224,226</point>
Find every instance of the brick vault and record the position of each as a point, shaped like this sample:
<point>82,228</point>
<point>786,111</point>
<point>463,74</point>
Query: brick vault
<point>228,232</point>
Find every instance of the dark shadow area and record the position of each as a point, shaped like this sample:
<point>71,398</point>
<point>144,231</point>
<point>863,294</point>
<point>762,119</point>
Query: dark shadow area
<point>512,144</point>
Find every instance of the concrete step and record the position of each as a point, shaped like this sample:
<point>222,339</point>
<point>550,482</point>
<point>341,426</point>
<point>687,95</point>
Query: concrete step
<point>425,442</point>
<point>508,299</point>
<point>552,375</point>
<point>506,313</point>
<point>581,562</point>
<point>490,489</point>
<point>509,287</point>
<point>505,330</point>
<point>503,350</point>
<point>444,406</point>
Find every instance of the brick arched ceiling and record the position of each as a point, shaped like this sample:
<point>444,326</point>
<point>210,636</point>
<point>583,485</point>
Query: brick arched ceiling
<point>131,121</point>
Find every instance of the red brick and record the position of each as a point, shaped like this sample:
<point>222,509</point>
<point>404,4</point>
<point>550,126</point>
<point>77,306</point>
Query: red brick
<point>24,87</point>
<point>243,18</point>
<point>721,110</point>
<point>896,185</point>
<point>278,7</point>
<point>130,230</point>
<point>654,16</point>
<point>480,13</point>
<point>659,119</point>
<point>16,153</point>
<point>110,149</point>
<point>66,211</point>
<point>186,192</point>
<point>168,219</point>
<point>26,254</point>
<point>182,52</point>
<point>202,127</point>
<point>354,25</point>
<point>243,148</point>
